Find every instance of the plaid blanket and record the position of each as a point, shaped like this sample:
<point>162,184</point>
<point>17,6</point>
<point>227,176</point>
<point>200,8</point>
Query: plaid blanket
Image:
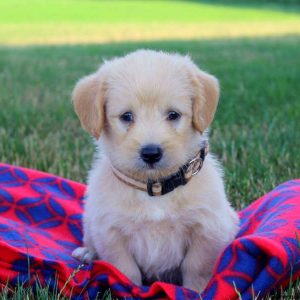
<point>40,225</point>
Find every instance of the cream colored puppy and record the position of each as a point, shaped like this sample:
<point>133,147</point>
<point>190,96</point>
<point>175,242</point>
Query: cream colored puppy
<point>155,204</point>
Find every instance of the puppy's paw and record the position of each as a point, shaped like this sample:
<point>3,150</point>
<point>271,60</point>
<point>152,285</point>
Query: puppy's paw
<point>84,254</point>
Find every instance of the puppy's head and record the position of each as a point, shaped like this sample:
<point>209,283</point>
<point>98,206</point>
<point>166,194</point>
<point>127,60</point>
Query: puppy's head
<point>150,109</point>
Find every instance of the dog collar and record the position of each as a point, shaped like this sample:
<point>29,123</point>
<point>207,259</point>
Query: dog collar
<point>167,184</point>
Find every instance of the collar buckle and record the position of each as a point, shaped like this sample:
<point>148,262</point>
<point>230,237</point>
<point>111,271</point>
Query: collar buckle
<point>154,188</point>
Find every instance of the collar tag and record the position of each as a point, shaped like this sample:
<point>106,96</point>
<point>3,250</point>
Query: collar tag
<point>195,165</point>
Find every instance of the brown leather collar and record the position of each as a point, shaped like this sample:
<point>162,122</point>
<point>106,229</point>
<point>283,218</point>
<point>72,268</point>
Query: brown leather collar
<point>167,184</point>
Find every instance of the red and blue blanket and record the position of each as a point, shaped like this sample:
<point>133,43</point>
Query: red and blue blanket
<point>40,225</point>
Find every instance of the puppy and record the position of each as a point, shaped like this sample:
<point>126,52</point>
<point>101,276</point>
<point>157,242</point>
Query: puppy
<point>155,204</point>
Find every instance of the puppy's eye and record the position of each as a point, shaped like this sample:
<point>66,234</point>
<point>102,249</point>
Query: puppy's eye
<point>173,116</point>
<point>127,117</point>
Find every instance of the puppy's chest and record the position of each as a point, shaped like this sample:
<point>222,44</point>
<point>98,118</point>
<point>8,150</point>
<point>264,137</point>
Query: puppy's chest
<point>157,246</point>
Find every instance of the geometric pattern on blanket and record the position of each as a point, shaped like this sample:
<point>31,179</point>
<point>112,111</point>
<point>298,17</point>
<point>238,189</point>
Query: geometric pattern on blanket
<point>40,225</point>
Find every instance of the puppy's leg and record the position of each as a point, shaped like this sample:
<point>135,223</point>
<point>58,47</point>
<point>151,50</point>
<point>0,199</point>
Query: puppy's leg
<point>198,264</point>
<point>111,247</point>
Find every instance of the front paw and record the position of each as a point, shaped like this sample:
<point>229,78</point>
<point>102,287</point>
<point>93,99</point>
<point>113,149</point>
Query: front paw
<point>84,254</point>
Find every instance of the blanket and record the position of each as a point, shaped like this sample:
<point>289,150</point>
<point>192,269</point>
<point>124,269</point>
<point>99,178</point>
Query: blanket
<point>40,225</point>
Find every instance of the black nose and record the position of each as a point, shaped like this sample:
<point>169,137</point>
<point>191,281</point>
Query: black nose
<point>151,153</point>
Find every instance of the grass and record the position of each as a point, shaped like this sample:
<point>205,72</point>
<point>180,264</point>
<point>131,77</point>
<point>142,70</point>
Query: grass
<point>256,130</point>
<point>68,21</point>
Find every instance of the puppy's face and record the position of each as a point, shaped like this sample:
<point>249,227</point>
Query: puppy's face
<point>151,109</point>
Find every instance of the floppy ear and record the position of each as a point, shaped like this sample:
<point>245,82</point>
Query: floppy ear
<point>205,100</point>
<point>88,99</point>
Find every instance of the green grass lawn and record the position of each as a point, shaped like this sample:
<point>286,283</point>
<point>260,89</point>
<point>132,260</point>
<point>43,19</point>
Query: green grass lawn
<point>256,130</point>
<point>90,21</point>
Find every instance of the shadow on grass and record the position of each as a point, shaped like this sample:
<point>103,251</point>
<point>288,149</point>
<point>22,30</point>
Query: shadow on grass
<point>292,6</point>
<point>119,48</point>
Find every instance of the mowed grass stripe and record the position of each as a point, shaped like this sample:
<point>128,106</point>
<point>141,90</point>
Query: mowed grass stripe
<point>137,11</point>
<point>66,21</point>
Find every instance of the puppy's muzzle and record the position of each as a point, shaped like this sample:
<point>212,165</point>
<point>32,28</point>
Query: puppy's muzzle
<point>151,153</point>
